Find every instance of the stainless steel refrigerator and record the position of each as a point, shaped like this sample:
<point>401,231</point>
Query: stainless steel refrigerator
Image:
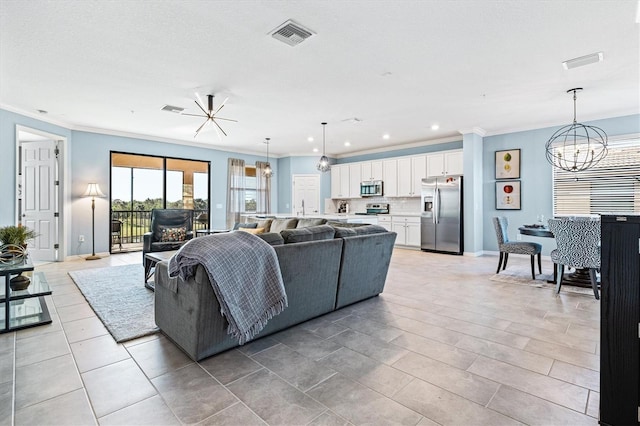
<point>441,218</point>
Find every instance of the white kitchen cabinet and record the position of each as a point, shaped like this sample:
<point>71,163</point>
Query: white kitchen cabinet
<point>335,182</point>
<point>339,181</point>
<point>418,172</point>
<point>371,170</point>
<point>408,230</point>
<point>404,177</point>
<point>445,164</point>
<point>354,180</point>
<point>385,222</point>
<point>390,178</point>
<point>411,170</point>
<point>453,163</point>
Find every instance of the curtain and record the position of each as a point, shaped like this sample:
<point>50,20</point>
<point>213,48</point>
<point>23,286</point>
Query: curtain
<point>235,192</point>
<point>263,189</point>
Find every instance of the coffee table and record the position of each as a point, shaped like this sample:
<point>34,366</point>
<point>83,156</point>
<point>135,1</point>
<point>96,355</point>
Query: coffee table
<point>151,260</point>
<point>23,308</point>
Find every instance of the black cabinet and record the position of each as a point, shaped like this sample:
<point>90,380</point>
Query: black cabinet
<point>620,320</point>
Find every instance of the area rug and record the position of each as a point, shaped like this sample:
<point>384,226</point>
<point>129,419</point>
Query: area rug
<point>118,297</point>
<point>522,275</point>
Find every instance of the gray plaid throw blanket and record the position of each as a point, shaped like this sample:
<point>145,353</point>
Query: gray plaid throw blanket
<point>245,276</point>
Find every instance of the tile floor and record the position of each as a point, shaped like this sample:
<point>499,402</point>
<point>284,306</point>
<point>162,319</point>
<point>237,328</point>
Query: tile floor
<point>442,345</point>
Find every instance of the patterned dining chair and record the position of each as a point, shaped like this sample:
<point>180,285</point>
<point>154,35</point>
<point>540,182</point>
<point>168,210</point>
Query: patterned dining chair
<point>578,243</point>
<point>518,247</point>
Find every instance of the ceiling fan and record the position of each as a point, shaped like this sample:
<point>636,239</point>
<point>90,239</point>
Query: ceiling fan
<point>210,115</point>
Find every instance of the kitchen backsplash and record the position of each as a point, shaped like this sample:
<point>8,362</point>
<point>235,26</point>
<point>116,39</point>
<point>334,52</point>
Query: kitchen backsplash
<point>397,205</point>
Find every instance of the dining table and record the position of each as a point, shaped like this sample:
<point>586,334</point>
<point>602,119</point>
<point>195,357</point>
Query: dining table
<point>579,278</point>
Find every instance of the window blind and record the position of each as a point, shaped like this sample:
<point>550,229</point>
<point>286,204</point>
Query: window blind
<point>612,186</point>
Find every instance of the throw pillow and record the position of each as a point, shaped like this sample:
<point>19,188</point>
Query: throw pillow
<point>252,230</point>
<point>173,234</point>
<point>281,224</point>
<point>306,222</point>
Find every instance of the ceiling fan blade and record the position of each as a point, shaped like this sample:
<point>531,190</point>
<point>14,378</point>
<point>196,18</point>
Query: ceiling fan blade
<point>200,128</point>
<point>194,115</point>
<point>214,122</point>
<point>220,107</point>
<point>226,119</point>
<point>206,114</point>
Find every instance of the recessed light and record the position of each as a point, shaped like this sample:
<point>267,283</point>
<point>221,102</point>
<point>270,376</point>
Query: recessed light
<point>583,60</point>
<point>347,143</point>
<point>315,149</point>
<point>386,136</point>
<point>435,126</point>
<point>310,139</point>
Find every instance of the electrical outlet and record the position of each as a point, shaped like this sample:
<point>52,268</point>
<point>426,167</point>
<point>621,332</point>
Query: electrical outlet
<point>81,239</point>
<point>519,237</point>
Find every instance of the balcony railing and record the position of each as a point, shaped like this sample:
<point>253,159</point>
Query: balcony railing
<point>136,222</point>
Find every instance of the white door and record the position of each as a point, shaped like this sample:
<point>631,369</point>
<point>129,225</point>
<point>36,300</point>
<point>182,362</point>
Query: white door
<point>39,197</point>
<point>306,195</point>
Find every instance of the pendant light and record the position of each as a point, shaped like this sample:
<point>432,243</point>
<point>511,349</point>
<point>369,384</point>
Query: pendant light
<point>323,164</point>
<point>267,171</point>
<point>576,147</point>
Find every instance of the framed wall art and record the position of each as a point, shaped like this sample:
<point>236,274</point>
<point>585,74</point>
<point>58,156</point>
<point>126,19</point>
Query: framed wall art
<point>508,195</point>
<point>508,164</point>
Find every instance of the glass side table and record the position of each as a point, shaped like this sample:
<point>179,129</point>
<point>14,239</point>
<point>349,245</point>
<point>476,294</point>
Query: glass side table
<point>26,307</point>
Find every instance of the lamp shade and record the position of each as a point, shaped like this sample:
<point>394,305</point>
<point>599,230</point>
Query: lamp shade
<point>93,190</point>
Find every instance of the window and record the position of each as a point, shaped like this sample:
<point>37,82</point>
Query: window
<point>612,186</point>
<point>250,190</point>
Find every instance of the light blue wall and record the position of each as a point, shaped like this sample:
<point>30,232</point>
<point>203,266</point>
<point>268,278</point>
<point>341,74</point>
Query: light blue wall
<point>402,152</point>
<point>536,182</point>
<point>290,166</point>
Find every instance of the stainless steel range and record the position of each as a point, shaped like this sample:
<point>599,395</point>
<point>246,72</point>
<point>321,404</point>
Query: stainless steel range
<point>376,208</point>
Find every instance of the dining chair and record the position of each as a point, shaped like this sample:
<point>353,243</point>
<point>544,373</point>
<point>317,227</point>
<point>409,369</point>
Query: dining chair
<point>578,243</point>
<point>517,247</point>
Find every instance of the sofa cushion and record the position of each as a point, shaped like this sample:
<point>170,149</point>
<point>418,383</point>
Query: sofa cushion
<point>281,224</point>
<point>310,233</point>
<point>262,223</point>
<point>343,232</point>
<point>311,221</point>
<point>337,224</point>
<point>273,238</point>
<point>239,225</point>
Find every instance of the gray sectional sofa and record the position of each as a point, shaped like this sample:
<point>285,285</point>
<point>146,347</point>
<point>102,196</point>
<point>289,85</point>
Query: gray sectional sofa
<point>323,268</point>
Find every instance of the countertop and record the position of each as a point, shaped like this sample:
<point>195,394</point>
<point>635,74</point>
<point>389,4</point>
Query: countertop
<point>336,216</point>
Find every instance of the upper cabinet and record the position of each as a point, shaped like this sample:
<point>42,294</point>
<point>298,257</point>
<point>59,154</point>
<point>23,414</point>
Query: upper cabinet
<point>401,177</point>
<point>411,170</point>
<point>390,178</point>
<point>355,177</point>
<point>445,163</point>
<point>340,181</point>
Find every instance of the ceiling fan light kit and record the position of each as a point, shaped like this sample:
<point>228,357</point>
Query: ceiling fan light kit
<point>323,164</point>
<point>210,115</point>
<point>576,147</point>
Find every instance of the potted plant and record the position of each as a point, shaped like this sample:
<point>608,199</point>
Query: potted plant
<point>17,235</point>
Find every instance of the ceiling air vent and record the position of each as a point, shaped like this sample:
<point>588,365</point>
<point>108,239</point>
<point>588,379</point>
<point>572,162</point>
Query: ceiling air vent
<point>291,33</point>
<point>172,108</point>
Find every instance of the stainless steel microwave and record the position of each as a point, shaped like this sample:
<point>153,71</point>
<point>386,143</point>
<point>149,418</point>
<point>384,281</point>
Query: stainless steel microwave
<point>371,188</point>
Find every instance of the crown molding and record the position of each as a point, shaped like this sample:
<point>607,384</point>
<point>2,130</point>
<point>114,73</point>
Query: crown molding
<point>400,147</point>
<point>475,130</point>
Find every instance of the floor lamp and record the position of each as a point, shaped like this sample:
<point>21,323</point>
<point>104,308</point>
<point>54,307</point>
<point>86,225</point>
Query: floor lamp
<point>93,191</point>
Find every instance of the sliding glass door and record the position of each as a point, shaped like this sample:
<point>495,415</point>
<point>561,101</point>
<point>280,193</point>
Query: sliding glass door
<point>140,183</point>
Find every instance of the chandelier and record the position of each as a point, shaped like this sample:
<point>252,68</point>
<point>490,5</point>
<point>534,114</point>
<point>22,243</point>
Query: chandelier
<point>576,147</point>
<point>323,164</point>
<point>267,171</point>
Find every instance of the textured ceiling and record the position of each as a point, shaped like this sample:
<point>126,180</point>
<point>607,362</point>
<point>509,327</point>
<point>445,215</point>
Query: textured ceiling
<point>399,66</point>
